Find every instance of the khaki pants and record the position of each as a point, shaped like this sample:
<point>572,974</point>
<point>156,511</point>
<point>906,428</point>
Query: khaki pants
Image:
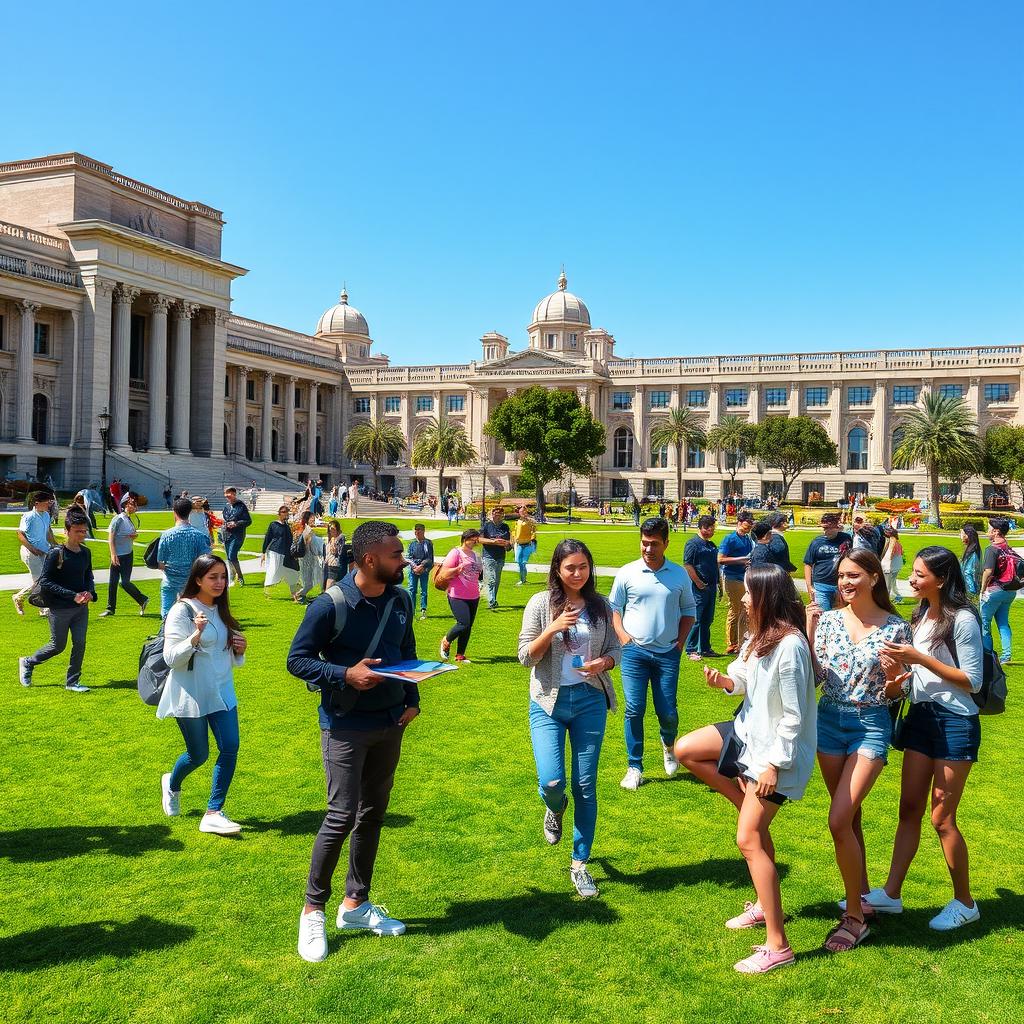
<point>34,564</point>
<point>736,623</point>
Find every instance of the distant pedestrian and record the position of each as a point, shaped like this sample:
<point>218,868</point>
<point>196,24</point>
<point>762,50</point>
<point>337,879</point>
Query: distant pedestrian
<point>524,536</point>
<point>121,534</point>
<point>35,537</point>
<point>996,569</point>
<point>496,539</point>
<point>281,565</point>
<point>778,548</point>
<point>734,558</point>
<point>636,512</point>
<point>236,521</point>
<point>892,559</point>
<point>970,561</point>
<point>821,562</point>
<point>461,571</point>
<point>179,547</point>
<point>421,560</point>
<point>168,494</point>
<point>311,560</point>
<point>334,549</point>
<point>700,560</point>
<point>761,552</point>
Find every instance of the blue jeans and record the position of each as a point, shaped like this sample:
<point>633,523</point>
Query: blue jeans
<point>492,579</point>
<point>233,541</point>
<point>699,637</point>
<point>224,726</point>
<point>825,595</point>
<point>421,581</point>
<point>640,667</point>
<point>995,604</point>
<point>581,711</point>
<point>523,553</point>
<point>169,590</point>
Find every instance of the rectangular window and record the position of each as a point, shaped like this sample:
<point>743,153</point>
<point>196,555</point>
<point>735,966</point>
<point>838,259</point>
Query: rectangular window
<point>455,403</point>
<point>41,342</point>
<point>424,403</point>
<point>298,398</point>
<point>551,340</point>
<point>776,396</point>
<point>859,396</point>
<point>227,385</point>
<point>659,399</point>
<point>361,406</point>
<point>659,457</point>
<point>3,333</point>
<point>393,403</point>
<point>572,341</point>
<point>620,488</point>
<point>319,403</point>
<point>276,399</point>
<point>735,397</point>
<point>815,396</point>
<point>904,491</point>
<point>250,389</point>
<point>904,394</point>
<point>137,352</point>
<point>694,488</point>
<point>997,392</point>
<point>951,391</point>
<point>655,488</point>
<point>622,401</point>
<point>694,458</point>
<point>696,399</point>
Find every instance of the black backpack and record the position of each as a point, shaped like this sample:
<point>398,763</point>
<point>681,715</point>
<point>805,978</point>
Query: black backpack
<point>991,698</point>
<point>153,670</point>
<point>150,555</point>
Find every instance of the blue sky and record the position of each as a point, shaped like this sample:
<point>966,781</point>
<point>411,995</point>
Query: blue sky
<point>716,178</point>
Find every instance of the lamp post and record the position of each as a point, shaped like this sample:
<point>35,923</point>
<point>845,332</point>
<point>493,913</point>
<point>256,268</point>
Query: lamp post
<point>104,419</point>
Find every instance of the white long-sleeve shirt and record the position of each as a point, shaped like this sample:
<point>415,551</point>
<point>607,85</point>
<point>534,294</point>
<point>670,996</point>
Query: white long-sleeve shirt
<point>778,724</point>
<point>210,686</point>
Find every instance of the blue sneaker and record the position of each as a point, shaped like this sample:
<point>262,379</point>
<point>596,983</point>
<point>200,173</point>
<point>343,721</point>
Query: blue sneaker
<point>370,917</point>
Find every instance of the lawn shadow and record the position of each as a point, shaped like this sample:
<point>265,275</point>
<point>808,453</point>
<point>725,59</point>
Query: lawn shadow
<point>118,684</point>
<point>60,944</point>
<point>26,845</point>
<point>533,915</point>
<point>500,659</point>
<point>728,873</point>
<point>307,823</point>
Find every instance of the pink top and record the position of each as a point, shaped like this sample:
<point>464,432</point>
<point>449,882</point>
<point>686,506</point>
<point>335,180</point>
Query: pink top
<point>466,585</point>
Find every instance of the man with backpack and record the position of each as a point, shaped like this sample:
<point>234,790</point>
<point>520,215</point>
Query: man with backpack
<point>178,548</point>
<point>363,621</point>
<point>1002,574</point>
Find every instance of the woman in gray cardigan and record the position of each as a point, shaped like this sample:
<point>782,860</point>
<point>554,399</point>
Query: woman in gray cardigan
<point>569,645</point>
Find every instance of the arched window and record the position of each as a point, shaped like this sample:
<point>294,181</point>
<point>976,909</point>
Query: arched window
<point>250,443</point>
<point>695,457</point>
<point>659,456</point>
<point>622,447</point>
<point>857,449</point>
<point>40,415</point>
<point>897,438</point>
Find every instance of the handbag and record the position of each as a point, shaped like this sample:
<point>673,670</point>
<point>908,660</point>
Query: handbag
<point>36,595</point>
<point>150,555</point>
<point>898,713</point>
<point>298,548</point>
<point>435,579</point>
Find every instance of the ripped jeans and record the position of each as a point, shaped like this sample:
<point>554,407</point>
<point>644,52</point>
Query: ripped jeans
<point>581,711</point>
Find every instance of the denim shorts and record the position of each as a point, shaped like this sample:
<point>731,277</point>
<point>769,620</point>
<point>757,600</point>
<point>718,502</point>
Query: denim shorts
<point>845,729</point>
<point>943,735</point>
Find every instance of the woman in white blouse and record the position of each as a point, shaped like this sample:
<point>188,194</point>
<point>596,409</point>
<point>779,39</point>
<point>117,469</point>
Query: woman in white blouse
<point>202,646</point>
<point>777,737</point>
<point>941,733</point>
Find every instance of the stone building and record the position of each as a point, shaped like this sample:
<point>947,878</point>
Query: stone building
<point>114,301</point>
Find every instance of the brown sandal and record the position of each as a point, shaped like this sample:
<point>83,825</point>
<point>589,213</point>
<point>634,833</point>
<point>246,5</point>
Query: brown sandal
<point>846,935</point>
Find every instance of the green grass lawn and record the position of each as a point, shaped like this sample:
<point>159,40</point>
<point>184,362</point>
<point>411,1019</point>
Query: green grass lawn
<point>113,912</point>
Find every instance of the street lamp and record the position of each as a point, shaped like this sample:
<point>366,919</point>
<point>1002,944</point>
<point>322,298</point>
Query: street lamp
<point>104,419</point>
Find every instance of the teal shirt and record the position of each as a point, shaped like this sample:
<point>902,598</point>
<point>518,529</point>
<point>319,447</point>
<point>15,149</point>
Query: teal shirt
<point>651,603</point>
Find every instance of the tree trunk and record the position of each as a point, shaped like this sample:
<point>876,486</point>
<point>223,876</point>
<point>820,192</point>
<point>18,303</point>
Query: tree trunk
<point>933,486</point>
<point>787,482</point>
<point>440,483</point>
<point>679,472</point>
<point>539,498</point>
<point>376,475</point>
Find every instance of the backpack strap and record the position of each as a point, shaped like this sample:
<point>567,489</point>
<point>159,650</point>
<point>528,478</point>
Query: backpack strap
<point>334,592</point>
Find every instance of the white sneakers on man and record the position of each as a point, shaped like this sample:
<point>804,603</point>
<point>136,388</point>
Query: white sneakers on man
<point>954,915</point>
<point>633,779</point>
<point>313,936</point>
<point>220,825</point>
<point>371,917</point>
<point>671,764</point>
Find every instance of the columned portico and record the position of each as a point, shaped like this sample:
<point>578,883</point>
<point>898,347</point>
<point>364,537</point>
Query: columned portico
<point>289,419</point>
<point>183,314</point>
<point>124,296</point>
<point>157,359</point>
<point>26,344</point>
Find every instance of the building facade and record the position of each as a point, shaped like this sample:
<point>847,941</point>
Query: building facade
<point>115,302</point>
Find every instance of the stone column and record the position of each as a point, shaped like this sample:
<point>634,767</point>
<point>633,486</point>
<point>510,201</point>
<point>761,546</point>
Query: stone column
<point>121,339</point>
<point>240,400</point>
<point>755,403</point>
<point>26,347</point>
<point>267,422</point>
<point>344,400</point>
<point>880,430</point>
<point>289,419</point>
<point>314,390</point>
<point>639,429</point>
<point>159,305</point>
<point>180,415</point>
<point>209,365</point>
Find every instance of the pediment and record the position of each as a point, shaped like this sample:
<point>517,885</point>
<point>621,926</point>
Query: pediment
<point>528,359</point>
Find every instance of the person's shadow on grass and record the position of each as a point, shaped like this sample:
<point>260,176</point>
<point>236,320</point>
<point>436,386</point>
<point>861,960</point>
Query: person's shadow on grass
<point>60,944</point>
<point>307,823</point>
<point>47,844</point>
<point>730,874</point>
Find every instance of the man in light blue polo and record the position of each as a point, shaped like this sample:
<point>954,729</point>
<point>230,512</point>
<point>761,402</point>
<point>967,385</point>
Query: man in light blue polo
<point>652,610</point>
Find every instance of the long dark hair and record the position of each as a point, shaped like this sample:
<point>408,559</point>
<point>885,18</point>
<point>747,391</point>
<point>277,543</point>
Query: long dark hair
<point>597,608</point>
<point>200,568</point>
<point>775,608</point>
<point>953,594</point>
<point>868,561</point>
<point>973,545</point>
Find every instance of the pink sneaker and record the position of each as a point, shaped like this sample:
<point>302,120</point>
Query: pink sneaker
<point>751,917</point>
<point>764,959</point>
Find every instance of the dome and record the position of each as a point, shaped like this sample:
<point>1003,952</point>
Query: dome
<point>343,319</point>
<point>561,307</point>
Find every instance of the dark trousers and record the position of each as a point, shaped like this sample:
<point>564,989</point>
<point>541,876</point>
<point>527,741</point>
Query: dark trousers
<point>699,638</point>
<point>123,572</point>
<point>74,620</point>
<point>465,612</point>
<point>360,768</point>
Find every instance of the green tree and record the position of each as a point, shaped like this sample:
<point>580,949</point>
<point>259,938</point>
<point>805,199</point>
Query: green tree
<point>679,430</point>
<point>792,444</point>
<point>374,444</point>
<point>943,437</point>
<point>734,437</point>
<point>1003,457</point>
<point>441,444</point>
<point>551,431</point>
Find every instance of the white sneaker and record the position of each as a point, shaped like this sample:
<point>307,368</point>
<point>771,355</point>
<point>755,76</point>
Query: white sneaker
<point>171,800</point>
<point>218,824</point>
<point>76,688</point>
<point>633,779</point>
<point>879,901</point>
<point>671,764</point>
<point>370,917</point>
<point>954,915</point>
<point>584,881</point>
<point>313,936</point>
<point>24,672</point>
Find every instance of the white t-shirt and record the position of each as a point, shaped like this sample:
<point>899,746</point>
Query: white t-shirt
<point>577,652</point>
<point>928,686</point>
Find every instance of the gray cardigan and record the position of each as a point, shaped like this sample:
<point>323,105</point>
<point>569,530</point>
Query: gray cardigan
<point>546,672</point>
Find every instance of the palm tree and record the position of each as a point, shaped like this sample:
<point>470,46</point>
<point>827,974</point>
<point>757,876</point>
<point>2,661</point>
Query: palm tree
<point>733,436</point>
<point>375,444</point>
<point>943,435</point>
<point>442,443</point>
<point>681,429</point>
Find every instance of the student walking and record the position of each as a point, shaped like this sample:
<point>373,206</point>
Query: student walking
<point>35,539</point>
<point>496,539</point>
<point>734,558</point>
<point>334,552</point>
<point>778,547</point>
<point>203,645</point>
<point>761,553</point>
<point>941,733</point>
<point>652,612</point>
<point>236,521</point>
<point>179,547</point>
<point>281,565</point>
<point>569,644</point>
<point>970,561</point>
<point>461,571</point>
<point>821,562</point>
<point>700,560</point>
<point>311,560</point>
<point>363,716</point>
<point>524,536</point>
<point>199,519</point>
<point>121,536</point>
<point>772,740</point>
<point>421,560</point>
<point>854,724</point>
<point>997,569</point>
<point>66,581</point>
<point>892,560</point>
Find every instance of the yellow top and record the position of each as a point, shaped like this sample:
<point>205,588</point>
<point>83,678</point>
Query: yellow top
<point>523,530</point>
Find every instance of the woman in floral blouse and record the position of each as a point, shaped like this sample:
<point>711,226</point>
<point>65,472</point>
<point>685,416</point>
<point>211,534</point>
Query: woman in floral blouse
<point>854,724</point>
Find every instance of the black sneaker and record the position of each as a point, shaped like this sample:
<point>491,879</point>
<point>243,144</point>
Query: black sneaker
<point>553,824</point>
